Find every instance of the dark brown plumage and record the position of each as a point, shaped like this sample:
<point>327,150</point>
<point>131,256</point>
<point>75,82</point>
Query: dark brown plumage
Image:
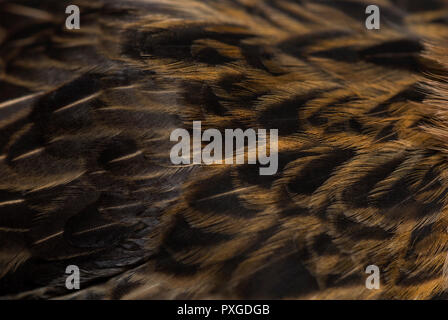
<point>86,179</point>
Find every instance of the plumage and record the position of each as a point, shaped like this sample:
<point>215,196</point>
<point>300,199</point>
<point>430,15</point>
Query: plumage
<point>86,177</point>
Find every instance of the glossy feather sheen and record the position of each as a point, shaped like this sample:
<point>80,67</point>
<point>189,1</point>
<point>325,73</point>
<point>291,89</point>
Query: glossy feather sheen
<point>86,178</point>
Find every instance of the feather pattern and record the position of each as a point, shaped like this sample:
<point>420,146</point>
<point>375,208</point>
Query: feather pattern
<point>86,178</point>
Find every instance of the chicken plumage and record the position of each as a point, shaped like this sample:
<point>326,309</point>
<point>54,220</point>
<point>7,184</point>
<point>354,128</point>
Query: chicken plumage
<point>86,178</point>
